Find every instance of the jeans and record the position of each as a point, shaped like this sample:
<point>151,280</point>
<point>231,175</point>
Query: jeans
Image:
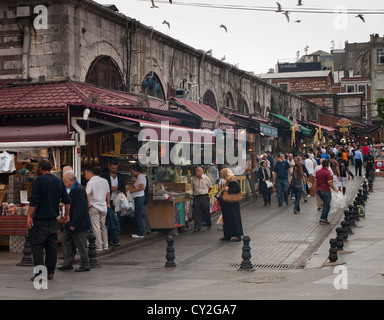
<point>326,197</point>
<point>43,237</point>
<point>139,206</point>
<point>282,190</point>
<point>297,192</point>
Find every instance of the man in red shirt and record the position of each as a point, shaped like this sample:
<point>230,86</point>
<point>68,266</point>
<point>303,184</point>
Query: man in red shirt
<point>324,184</point>
<point>365,152</point>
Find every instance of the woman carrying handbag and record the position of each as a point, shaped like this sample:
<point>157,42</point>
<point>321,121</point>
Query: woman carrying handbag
<point>296,184</point>
<point>265,184</point>
<point>230,196</point>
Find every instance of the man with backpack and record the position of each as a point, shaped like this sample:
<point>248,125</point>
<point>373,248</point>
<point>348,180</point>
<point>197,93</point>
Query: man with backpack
<point>344,173</point>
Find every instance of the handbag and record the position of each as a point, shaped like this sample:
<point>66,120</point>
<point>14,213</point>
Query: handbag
<point>231,197</point>
<point>268,182</point>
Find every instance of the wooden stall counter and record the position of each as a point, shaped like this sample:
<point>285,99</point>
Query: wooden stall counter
<point>167,214</point>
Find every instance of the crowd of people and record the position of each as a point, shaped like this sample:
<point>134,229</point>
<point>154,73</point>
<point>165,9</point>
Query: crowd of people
<point>312,174</point>
<point>85,209</point>
<point>291,176</point>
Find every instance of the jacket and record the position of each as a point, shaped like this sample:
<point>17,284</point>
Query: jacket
<point>120,183</point>
<point>78,215</point>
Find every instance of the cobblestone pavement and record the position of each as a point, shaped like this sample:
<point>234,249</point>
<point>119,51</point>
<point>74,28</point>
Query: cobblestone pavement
<point>280,239</point>
<point>294,247</point>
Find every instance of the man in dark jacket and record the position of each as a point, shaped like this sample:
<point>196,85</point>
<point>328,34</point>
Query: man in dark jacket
<point>75,231</point>
<point>47,191</point>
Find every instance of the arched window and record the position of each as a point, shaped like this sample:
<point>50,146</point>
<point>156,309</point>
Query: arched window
<point>229,102</point>
<point>105,72</point>
<point>152,86</point>
<point>243,107</point>
<point>209,99</point>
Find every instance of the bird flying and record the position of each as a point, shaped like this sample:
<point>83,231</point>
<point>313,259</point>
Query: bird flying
<point>361,17</point>
<point>279,7</point>
<point>167,23</point>
<point>286,13</point>
<point>153,4</point>
<point>224,27</point>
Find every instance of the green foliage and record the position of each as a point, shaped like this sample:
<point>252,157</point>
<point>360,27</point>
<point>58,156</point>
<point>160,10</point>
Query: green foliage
<point>380,108</point>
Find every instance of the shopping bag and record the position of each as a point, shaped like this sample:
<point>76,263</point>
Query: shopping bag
<point>339,201</point>
<point>220,220</point>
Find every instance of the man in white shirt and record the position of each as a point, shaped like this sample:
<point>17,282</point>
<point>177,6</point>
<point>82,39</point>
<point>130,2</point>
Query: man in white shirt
<point>99,198</point>
<point>201,186</point>
<point>311,172</point>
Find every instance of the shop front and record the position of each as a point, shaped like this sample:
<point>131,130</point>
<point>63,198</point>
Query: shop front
<point>22,145</point>
<point>167,154</point>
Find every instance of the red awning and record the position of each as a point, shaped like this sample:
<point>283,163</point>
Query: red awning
<point>207,114</point>
<point>24,133</point>
<point>166,133</point>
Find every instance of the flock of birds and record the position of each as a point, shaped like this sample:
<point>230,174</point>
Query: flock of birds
<point>279,10</point>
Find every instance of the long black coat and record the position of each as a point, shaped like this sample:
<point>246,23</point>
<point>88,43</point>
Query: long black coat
<point>79,215</point>
<point>231,214</point>
<point>263,189</point>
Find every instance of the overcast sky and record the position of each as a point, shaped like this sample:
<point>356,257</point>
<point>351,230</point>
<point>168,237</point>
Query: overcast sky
<point>256,40</point>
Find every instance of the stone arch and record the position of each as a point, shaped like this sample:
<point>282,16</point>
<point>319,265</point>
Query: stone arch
<point>210,99</point>
<point>152,86</point>
<point>229,101</point>
<point>105,72</point>
<point>97,49</point>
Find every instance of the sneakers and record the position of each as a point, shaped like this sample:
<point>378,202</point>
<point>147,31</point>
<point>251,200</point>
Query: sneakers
<point>296,211</point>
<point>323,222</point>
<point>136,236</point>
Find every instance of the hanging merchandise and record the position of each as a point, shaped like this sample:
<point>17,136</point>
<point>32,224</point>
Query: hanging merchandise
<point>7,162</point>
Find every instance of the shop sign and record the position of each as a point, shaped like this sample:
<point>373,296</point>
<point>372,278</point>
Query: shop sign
<point>344,125</point>
<point>269,131</point>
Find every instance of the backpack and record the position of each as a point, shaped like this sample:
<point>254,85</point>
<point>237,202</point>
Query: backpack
<point>343,169</point>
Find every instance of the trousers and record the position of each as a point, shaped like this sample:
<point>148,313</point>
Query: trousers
<point>43,237</point>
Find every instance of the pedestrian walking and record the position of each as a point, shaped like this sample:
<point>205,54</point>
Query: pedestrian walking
<point>232,224</point>
<point>281,173</point>
<point>116,185</point>
<point>324,184</point>
<point>343,169</point>
<point>370,164</point>
<point>138,193</point>
<point>76,230</point>
<point>201,186</point>
<point>358,162</point>
<point>47,192</point>
<point>99,200</point>
<point>264,175</point>
<point>297,185</point>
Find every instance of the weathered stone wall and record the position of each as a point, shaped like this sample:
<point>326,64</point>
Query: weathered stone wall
<point>79,31</point>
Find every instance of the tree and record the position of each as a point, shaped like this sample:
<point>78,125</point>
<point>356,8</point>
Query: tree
<point>380,108</point>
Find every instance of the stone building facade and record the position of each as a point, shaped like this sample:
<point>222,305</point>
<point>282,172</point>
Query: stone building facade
<point>85,41</point>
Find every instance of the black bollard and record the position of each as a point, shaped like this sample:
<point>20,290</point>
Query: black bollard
<point>246,264</point>
<point>348,226</point>
<point>92,251</point>
<point>345,230</point>
<point>26,260</point>
<point>339,239</point>
<point>333,250</point>
<point>170,256</point>
<point>349,217</point>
